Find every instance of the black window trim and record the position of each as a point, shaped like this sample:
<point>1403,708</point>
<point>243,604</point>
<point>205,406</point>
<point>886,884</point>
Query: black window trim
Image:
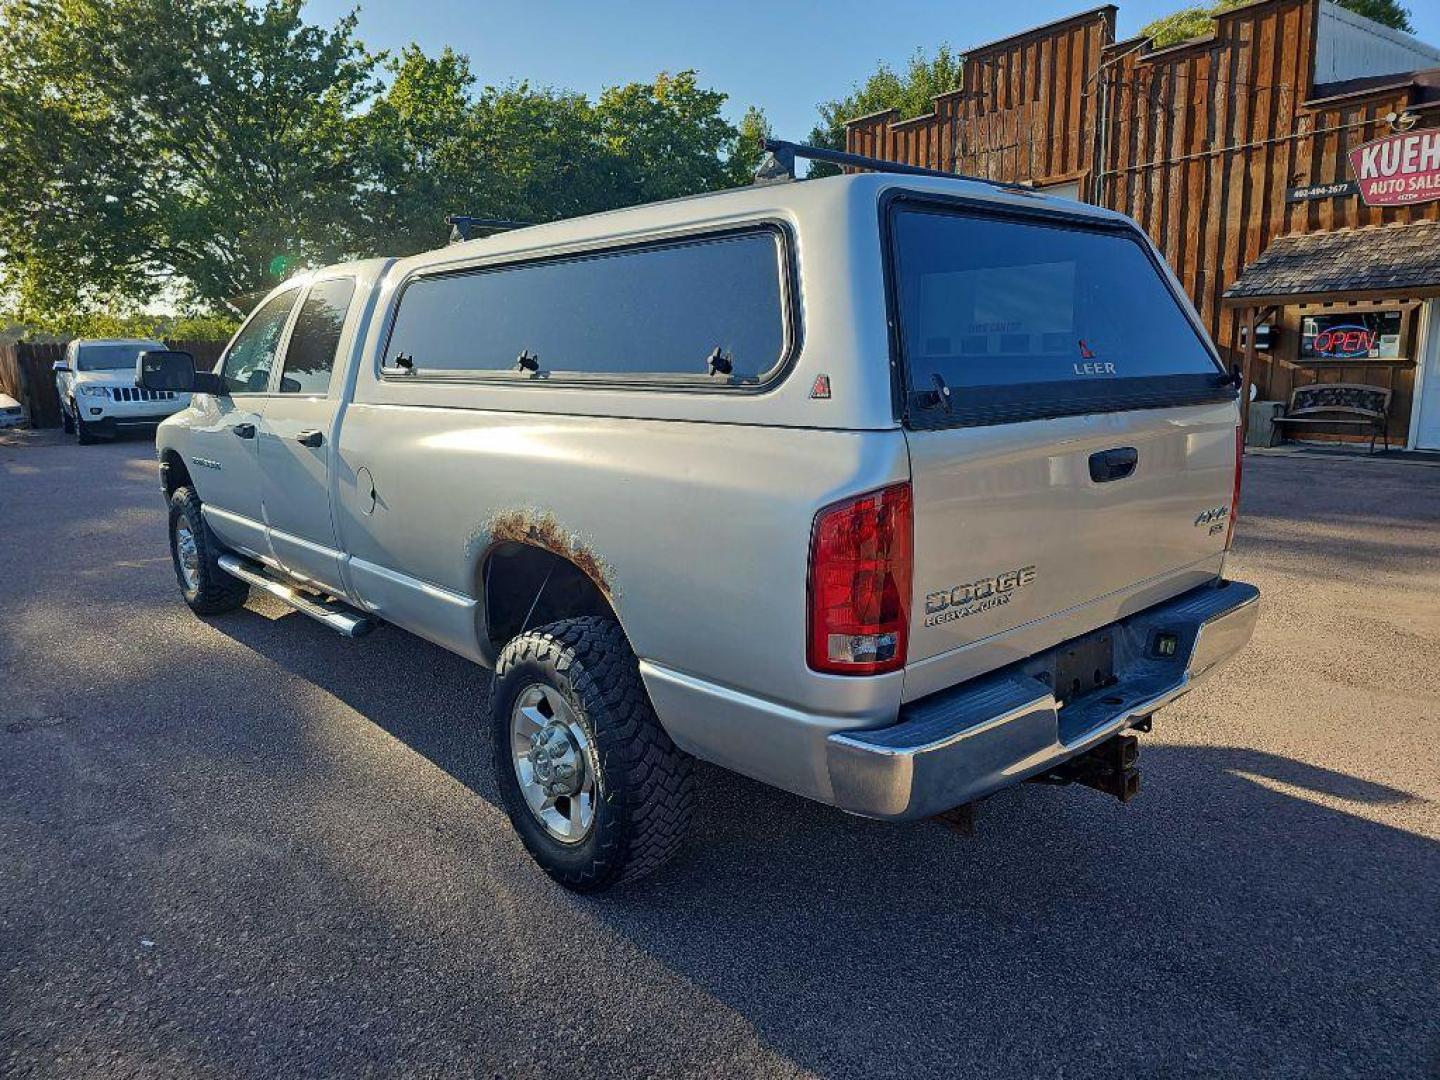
<point>278,372</point>
<point>700,382</point>
<point>1031,401</point>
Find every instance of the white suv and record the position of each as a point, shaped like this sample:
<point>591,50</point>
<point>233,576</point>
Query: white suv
<point>98,394</point>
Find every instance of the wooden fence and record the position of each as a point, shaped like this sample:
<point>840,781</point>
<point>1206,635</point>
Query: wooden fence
<point>26,374</point>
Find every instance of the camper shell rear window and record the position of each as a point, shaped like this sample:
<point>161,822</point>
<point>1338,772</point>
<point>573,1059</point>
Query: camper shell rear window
<point>1002,317</point>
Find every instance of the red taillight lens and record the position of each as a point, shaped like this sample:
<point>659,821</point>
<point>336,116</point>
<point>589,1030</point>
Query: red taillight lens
<point>1235,491</point>
<point>861,557</point>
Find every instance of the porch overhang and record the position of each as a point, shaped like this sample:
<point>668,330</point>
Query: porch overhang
<point>1378,262</point>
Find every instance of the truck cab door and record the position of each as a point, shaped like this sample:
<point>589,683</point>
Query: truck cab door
<point>297,438</point>
<point>223,444</point>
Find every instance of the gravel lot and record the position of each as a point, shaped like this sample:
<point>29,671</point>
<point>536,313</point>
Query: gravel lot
<point>247,847</point>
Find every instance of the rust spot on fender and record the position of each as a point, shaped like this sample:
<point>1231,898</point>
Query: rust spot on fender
<point>540,528</point>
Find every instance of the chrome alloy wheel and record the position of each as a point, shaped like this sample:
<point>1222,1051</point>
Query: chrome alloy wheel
<point>187,554</point>
<point>553,762</point>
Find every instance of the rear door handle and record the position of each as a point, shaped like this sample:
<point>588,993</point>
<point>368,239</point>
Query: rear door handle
<point>245,431</point>
<point>310,438</point>
<point>1113,464</point>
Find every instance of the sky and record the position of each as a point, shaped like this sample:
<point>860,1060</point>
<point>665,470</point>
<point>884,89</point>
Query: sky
<point>785,56</point>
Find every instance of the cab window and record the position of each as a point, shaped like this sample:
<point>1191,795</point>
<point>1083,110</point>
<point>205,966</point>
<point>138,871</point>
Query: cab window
<point>247,363</point>
<point>310,356</point>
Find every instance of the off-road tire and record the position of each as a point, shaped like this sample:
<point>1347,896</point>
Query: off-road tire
<point>217,591</point>
<point>67,424</point>
<point>645,785</point>
<point>83,435</point>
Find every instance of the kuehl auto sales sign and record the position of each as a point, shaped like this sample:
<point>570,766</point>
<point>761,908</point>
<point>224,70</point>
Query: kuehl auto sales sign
<point>1399,169</point>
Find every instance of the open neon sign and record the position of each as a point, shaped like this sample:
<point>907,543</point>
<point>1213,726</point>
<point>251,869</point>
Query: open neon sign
<point>1345,341</point>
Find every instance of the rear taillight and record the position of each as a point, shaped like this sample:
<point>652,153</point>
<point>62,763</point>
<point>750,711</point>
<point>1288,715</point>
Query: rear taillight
<point>861,556</point>
<point>1235,491</point>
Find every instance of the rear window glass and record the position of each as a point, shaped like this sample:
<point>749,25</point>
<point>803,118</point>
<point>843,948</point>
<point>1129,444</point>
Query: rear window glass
<point>661,310</point>
<point>997,303</point>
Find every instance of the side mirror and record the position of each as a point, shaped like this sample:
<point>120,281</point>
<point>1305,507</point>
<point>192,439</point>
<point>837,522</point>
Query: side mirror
<point>172,369</point>
<point>59,366</point>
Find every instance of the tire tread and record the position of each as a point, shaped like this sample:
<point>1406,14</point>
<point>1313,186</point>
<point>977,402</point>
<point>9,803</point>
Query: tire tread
<point>218,592</point>
<point>652,780</point>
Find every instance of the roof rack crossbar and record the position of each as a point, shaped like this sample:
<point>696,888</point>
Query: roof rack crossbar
<point>469,227</point>
<point>780,158</point>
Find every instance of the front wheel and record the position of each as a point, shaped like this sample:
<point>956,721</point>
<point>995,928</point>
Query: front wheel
<point>591,781</point>
<point>83,435</point>
<point>206,588</point>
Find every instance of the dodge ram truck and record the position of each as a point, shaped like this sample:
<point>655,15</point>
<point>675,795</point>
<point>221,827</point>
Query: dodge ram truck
<point>889,490</point>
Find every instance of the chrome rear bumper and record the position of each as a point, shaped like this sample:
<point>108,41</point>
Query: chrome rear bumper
<point>958,745</point>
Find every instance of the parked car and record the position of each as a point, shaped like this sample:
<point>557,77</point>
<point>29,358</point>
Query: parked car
<point>12,414</point>
<point>891,491</point>
<point>98,392</point>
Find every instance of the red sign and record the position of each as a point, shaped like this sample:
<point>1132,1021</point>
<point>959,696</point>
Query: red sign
<point>1398,170</point>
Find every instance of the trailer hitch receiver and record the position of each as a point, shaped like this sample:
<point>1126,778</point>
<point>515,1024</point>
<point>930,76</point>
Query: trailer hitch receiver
<point>1111,767</point>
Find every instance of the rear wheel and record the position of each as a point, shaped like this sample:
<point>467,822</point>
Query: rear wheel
<point>591,781</point>
<point>193,547</point>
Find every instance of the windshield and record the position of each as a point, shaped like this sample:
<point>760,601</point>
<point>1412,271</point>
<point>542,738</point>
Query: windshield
<point>112,357</point>
<point>1035,316</point>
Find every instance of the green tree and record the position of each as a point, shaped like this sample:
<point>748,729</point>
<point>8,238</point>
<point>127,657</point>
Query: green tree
<point>195,150</point>
<point>432,145</point>
<point>418,152</point>
<point>667,138</point>
<point>1193,22</point>
<point>911,91</point>
<point>1386,12</point>
<point>151,145</point>
<point>750,136</point>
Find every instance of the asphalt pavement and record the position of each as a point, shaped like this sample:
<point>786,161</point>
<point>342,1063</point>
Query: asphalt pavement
<point>246,847</point>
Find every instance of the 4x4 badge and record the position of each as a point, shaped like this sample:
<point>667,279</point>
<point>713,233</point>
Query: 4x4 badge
<point>1213,518</point>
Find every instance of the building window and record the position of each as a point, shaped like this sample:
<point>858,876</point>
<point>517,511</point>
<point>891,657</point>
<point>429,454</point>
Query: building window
<point>1369,335</point>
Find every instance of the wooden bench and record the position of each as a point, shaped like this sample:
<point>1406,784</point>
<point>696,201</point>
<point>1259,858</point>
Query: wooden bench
<point>1362,406</point>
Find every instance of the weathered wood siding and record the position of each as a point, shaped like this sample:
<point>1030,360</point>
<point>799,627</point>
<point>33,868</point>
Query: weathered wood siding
<point>1198,143</point>
<point>1207,138</point>
<point>1020,111</point>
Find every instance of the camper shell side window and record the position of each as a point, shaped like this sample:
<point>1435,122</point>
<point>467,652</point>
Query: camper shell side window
<point>707,311</point>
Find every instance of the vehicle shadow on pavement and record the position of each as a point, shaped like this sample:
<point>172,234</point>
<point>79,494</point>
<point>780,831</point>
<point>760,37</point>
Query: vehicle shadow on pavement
<point>1243,916</point>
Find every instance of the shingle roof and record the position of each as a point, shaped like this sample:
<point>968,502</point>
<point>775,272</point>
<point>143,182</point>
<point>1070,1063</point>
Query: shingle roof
<point>1346,260</point>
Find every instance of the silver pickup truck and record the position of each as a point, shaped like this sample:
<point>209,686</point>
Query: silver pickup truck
<point>888,490</point>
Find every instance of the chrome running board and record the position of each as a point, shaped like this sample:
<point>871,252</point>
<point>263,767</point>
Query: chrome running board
<point>344,620</point>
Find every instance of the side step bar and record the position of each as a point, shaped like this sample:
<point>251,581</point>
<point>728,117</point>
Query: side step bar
<point>342,619</point>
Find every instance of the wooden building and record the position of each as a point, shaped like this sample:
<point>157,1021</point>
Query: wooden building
<point>1221,148</point>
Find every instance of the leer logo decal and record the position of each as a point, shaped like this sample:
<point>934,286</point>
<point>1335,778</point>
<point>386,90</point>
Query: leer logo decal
<point>962,601</point>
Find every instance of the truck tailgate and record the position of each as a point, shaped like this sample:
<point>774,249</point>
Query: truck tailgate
<point>1011,527</point>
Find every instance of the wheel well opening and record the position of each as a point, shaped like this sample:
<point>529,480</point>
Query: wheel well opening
<point>173,473</point>
<point>527,586</point>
